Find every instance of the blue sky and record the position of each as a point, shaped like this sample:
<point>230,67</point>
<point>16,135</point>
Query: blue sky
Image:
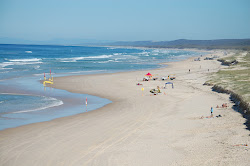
<point>125,20</point>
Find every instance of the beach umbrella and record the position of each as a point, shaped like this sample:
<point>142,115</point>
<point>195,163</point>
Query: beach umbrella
<point>149,74</point>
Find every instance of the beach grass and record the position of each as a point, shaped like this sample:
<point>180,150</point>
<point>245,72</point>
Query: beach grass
<point>236,77</point>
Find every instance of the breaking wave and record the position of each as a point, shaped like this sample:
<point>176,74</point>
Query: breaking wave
<point>25,60</point>
<point>75,59</point>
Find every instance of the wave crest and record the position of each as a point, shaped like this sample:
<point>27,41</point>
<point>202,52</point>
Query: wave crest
<point>83,58</point>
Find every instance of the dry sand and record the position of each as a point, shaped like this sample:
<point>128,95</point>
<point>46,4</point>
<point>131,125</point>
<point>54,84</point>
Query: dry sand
<point>163,129</point>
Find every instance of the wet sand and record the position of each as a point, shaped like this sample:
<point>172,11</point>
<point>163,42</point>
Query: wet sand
<point>137,128</point>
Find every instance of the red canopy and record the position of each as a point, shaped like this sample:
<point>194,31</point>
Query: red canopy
<point>148,74</point>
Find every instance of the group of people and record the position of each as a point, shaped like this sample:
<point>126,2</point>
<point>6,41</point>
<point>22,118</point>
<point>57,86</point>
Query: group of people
<point>224,105</point>
<point>211,116</point>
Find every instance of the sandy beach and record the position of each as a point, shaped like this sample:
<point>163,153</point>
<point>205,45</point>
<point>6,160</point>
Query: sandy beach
<point>137,128</point>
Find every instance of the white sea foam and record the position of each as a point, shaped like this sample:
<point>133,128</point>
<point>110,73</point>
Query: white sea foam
<point>42,74</point>
<point>55,103</point>
<point>103,62</point>
<point>7,68</point>
<point>155,54</point>
<point>68,61</point>
<point>12,62</point>
<point>130,57</point>
<point>82,58</point>
<point>29,52</point>
<point>99,57</point>
<point>117,54</point>
<point>25,60</point>
<point>111,48</point>
<point>106,61</point>
<point>156,50</point>
<point>36,67</point>
<point>145,53</point>
<point>119,58</point>
<point>4,64</point>
<point>162,51</point>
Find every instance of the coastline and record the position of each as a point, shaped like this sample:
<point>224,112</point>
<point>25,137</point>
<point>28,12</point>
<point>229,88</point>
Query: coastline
<point>36,88</point>
<point>136,129</point>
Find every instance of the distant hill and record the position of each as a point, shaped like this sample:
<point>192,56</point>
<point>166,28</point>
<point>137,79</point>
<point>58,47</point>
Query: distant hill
<point>243,44</point>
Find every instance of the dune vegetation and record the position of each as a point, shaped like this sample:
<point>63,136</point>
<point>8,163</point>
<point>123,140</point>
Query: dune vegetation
<point>234,79</point>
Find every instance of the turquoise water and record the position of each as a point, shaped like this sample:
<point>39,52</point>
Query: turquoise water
<point>24,100</point>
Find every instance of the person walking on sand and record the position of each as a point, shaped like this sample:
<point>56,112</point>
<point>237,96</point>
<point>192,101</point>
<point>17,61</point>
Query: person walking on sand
<point>212,110</point>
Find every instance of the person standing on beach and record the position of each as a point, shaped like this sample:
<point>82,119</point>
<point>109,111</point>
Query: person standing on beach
<point>189,70</point>
<point>212,110</point>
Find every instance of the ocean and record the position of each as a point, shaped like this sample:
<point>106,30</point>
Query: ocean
<point>24,100</point>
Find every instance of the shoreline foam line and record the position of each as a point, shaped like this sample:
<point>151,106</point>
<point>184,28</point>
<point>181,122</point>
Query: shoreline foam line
<point>58,102</point>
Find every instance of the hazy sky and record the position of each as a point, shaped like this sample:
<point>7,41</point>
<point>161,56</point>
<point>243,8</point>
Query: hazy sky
<point>125,19</point>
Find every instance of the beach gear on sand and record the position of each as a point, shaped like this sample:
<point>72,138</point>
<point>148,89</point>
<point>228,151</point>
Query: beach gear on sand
<point>169,83</point>
<point>146,79</point>
<point>149,74</point>
<point>155,91</point>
